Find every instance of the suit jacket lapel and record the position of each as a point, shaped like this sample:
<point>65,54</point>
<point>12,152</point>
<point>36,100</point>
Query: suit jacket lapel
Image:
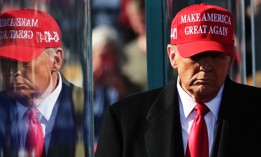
<point>64,133</point>
<point>14,129</point>
<point>11,127</point>
<point>164,137</point>
<point>220,145</point>
<point>221,141</point>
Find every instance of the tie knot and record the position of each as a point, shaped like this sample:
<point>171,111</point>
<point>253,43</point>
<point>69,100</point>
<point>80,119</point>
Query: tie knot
<point>201,109</point>
<point>31,113</point>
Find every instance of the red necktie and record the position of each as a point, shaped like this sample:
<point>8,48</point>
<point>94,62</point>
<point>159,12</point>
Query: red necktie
<point>198,136</point>
<point>34,138</point>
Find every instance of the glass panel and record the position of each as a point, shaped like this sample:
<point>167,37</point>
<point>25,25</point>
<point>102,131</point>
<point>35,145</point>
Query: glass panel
<point>253,35</point>
<point>38,72</point>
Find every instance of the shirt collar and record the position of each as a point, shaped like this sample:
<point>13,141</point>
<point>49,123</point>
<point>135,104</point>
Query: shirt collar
<point>188,102</point>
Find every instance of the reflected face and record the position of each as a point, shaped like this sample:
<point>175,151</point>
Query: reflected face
<point>104,63</point>
<point>26,81</point>
<point>136,18</point>
<point>202,75</point>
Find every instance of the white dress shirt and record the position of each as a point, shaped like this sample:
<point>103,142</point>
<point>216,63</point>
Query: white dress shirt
<point>46,117</point>
<point>187,115</point>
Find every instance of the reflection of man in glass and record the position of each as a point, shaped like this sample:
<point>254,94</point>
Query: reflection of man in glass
<point>31,57</point>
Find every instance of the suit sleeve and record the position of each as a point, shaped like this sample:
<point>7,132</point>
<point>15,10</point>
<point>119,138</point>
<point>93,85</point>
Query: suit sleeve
<point>110,139</point>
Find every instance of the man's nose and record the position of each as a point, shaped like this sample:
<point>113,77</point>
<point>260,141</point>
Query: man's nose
<point>15,68</point>
<point>206,64</point>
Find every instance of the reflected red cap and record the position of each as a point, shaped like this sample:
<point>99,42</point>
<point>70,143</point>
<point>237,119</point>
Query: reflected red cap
<point>201,27</point>
<point>25,33</point>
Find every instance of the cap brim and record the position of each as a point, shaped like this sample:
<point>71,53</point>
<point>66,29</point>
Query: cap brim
<point>20,53</point>
<point>187,50</point>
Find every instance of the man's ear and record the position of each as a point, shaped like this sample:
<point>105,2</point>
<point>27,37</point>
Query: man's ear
<point>172,49</point>
<point>58,59</point>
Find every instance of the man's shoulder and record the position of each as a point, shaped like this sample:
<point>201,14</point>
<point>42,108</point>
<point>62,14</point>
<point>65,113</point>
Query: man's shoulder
<point>5,105</point>
<point>241,93</point>
<point>138,103</point>
<point>4,98</point>
<point>241,88</point>
<point>148,95</point>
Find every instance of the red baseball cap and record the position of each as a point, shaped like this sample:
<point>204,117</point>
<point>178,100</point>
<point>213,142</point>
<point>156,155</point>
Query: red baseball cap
<point>25,33</point>
<point>201,27</point>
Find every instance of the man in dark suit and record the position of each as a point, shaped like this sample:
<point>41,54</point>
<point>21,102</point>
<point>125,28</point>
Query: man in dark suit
<point>31,57</point>
<point>160,122</point>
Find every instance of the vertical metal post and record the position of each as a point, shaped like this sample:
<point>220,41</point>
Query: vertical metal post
<point>243,40</point>
<point>253,46</point>
<point>86,61</point>
<point>155,43</point>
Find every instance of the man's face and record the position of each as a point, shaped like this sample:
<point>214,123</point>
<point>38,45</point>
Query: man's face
<point>104,64</point>
<point>202,75</point>
<point>26,81</point>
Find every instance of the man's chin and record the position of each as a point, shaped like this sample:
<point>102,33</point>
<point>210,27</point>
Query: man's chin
<point>206,94</point>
